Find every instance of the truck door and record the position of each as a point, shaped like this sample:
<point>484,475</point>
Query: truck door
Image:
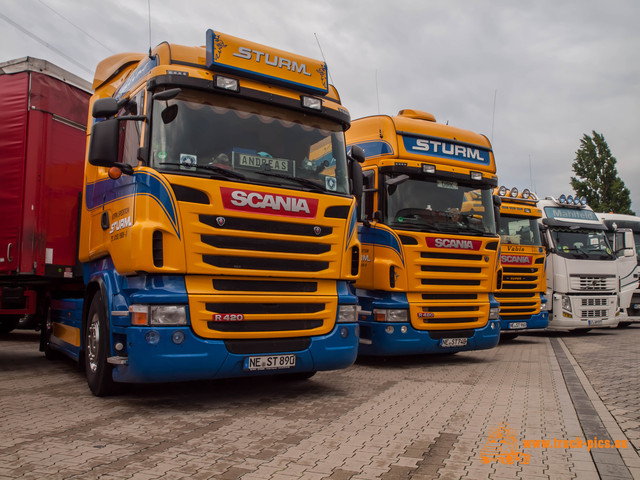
<point>627,263</point>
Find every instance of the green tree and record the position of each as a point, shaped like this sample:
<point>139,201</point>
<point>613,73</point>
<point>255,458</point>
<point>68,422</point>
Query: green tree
<point>597,177</point>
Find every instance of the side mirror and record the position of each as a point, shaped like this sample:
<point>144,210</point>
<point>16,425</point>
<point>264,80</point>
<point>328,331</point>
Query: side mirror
<point>357,153</point>
<point>104,143</point>
<point>105,108</point>
<point>355,172</point>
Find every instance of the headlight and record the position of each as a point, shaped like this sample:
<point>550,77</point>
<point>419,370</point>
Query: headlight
<point>347,313</point>
<point>390,315</point>
<point>566,303</point>
<point>158,315</point>
<point>544,304</point>
<point>494,313</point>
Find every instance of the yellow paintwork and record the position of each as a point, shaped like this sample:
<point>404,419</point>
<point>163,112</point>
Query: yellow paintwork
<point>416,274</point>
<point>66,333</point>
<point>134,216</point>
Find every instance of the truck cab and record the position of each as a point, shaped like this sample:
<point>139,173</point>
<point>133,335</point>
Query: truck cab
<point>522,298</point>
<point>582,275</point>
<point>429,262</point>
<point>624,235</point>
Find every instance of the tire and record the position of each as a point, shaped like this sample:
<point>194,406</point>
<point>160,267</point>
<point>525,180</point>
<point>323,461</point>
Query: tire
<point>96,336</point>
<point>45,336</point>
<point>8,323</point>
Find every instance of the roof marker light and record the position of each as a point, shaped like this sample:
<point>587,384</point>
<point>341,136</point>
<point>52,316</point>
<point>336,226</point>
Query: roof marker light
<point>583,200</point>
<point>562,198</point>
<point>476,175</point>
<point>227,83</point>
<point>526,193</point>
<point>502,191</point>
<point>311,102</point>
<point>514,192</point>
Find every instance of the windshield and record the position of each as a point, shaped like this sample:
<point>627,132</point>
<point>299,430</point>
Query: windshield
<point>203,134</point>
<point>581,243</point>
<point>432,205</point>
<point>519,230</point>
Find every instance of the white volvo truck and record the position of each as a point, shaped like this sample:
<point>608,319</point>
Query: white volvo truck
<point>582,274</point>
<point>624,233</point>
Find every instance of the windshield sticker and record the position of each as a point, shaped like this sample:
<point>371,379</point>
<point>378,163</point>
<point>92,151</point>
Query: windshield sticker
<point>447,185</point>
<point>188,162</point>
<point>572,213</point>
<point>330,184</point>
<point>263,162</point>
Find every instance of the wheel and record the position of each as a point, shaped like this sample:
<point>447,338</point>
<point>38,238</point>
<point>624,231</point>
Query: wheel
<point>96,336</point>
<point>8,323</point>
<point>45,336</point>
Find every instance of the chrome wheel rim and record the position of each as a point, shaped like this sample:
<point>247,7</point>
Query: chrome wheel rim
<point>93,339</point>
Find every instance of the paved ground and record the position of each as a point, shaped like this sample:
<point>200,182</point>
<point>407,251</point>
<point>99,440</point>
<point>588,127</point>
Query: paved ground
<point>416,417</point>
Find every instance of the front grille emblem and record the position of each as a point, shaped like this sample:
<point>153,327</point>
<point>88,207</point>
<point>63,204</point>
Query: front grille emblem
<point>317,230</point>
<point>220,221</point>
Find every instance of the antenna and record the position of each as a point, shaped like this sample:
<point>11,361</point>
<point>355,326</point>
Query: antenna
<point>323,59</point>
<point>149,5</point>
<point>533,186</point>
<point>493,117</point>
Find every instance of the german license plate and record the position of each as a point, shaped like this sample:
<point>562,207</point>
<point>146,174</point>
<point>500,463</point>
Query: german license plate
<point>453,342</point>
<point>636,306</point>
<point>516,325</point>
<point>270,362</point>
<point>595,322</point>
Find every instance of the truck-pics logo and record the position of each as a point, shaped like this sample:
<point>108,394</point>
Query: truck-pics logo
<point>515,259</point>
<point>267,203</point>
<point>453,243</point>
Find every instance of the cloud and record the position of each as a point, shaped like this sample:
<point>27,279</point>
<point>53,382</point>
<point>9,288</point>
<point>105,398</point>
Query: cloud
<point>556,70</point>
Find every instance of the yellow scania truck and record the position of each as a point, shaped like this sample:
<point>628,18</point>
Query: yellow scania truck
<point>523,304</point>
<point>218,225</point>
<point>429,262</point>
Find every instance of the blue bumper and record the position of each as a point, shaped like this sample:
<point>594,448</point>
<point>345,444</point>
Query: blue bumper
<point>200,359</point>
<point>534,322</point>
<point>375,339</point>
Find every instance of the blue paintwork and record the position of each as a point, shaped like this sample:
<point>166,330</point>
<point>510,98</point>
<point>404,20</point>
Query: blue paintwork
<point>414,341</point>
<point>196,358</point>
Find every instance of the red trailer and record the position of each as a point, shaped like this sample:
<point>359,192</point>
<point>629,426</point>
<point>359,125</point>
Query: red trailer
<point>43,115</point>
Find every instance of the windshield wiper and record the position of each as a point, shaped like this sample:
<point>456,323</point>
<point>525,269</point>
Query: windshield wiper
<point>300,181</point>
<point>213,168</point>
<point>415,226</point>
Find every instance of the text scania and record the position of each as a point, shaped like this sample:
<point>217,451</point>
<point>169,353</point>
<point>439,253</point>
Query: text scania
<point>276,203</point>
<point>272,60</point>
<point>454,243</point>
<point>435,147</point>
<point>515,259</point>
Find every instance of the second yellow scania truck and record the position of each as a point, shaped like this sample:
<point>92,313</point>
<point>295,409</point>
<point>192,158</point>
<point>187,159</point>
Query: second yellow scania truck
<point>429,261</point>
<point>523,304</point>
<point>218,228</point>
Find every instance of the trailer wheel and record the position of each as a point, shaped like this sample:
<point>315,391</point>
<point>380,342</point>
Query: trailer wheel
<point>8,323</point>
<point>96,336</point>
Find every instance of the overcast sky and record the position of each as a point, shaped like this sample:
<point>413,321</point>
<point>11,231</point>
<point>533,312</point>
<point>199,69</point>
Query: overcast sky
<point>534,76</point>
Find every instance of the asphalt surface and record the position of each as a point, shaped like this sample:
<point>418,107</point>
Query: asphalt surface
<point>472,415</point>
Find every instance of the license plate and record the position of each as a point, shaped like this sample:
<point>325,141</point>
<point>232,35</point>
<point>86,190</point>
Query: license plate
<point>453,342</point>
<point>270,362</point>
<point>595,322</point>
<point>516,325</point>
<point>636,306</point>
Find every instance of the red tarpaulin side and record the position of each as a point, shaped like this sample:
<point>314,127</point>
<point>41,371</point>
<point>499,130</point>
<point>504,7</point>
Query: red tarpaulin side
<point>42,146</point>
<point>13,132</point>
